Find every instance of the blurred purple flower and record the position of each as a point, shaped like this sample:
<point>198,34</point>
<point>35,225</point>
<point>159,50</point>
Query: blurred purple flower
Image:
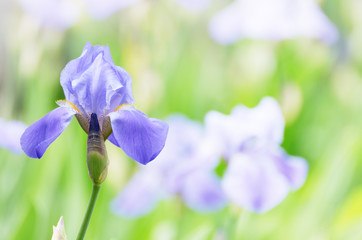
<point>184,167</point>
<point>271,20</point>
<point>259,173</point>
<point>92,83</point>
<point>104,9</point>
<point>10,132</point>
<point>59,14</point>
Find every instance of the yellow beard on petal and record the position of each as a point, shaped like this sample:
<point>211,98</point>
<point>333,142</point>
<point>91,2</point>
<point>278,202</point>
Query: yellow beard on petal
<point>122,106</point>
<point>65,103</point>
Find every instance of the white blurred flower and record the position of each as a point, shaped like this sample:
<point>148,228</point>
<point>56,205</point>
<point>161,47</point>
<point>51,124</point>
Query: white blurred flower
<point>273,20</point>
<point>58,231</point>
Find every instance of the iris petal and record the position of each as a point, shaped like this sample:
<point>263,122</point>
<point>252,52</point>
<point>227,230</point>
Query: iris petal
<point>38,136</point>
<point>254,182</point>
<point>140,137</point>
<point>139,196</point>
<point>202,191</point>
<point>94,83</point>
<point>10,132</point>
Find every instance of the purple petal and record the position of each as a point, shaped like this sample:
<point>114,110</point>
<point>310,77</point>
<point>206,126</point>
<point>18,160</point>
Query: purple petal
<point>38,136</point>
<point>10,132</point>
<point>254,182</point>
<point>94,84</point>
<point>139,196</point>
<point>141,138</point>
<point>202,191</point>
<point>247,128</point>
<point>295,169</point>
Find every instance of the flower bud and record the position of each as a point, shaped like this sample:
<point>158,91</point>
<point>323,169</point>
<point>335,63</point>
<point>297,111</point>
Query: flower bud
<point>97,159</point>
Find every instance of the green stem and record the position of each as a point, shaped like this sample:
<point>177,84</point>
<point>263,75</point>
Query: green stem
<point>88,214</point>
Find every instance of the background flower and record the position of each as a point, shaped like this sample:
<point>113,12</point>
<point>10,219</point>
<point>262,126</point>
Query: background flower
<point>57,14</point>
<point>10,132</point>
<point>259,173</point>
<point>182,168</point>
<point>273,20</point>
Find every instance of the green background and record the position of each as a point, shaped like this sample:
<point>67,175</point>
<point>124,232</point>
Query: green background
<point>177,68</point>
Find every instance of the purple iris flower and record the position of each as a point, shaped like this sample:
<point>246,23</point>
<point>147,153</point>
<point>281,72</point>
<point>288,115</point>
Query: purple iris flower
<point>92,83</point>
<point>271,20</point>
<point>184,167</point>
<point>259,174</point>
<point>10,132</point>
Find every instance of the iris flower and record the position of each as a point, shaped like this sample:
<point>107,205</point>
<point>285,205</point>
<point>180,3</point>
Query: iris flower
<point>94,85</point>
<point>259,174</point>
<point>10,132</point>
<point>184,168</point>
<point>273,20</point>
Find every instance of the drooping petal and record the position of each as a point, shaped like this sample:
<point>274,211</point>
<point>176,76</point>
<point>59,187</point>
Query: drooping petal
<point>38,136</point>
<point>10,132</point>
<point>94,83</point>
<point>139,196</point>
<point>202,191</point>
<point>295,169</point>
<point>140,137</point>
<point>254,182</point>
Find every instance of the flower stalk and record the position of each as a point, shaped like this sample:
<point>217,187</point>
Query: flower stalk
<point>89,211</point>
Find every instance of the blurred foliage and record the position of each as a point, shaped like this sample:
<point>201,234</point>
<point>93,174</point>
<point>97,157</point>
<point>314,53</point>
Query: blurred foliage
<point>176,67</point>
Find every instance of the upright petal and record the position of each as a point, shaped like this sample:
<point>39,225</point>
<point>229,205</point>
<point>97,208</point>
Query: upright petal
<point>38,136</point>
<point>10,132</point>
<point>141,138</point>
<point>94,83</point>
<point>247,128</point>
<point>139,196</point>
<point>202,191</point>
<point>254,182</point>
